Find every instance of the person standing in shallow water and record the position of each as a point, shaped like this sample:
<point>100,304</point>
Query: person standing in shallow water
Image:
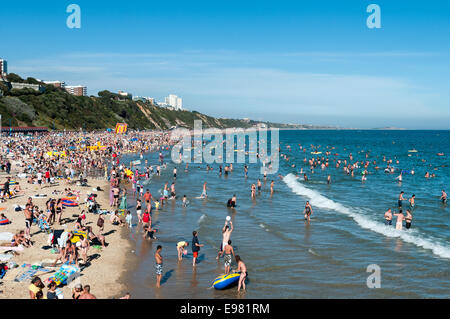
<point>195,247</point>
<point>228,251</point>
<point>443,197</point>
<point>400,219</point>
<point>388,217</point>
<point>158,265</point>
<point>243,270</point>
<point>400,199</point>
<point>408,219</point>
<point>308,211</point>
<point>412,202</point>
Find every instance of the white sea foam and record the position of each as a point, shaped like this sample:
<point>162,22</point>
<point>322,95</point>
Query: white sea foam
<point>318,200</point>
<point>313,252</point>
<point>201,219</point>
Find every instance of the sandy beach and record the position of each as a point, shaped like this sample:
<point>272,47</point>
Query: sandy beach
<point>105,266</point>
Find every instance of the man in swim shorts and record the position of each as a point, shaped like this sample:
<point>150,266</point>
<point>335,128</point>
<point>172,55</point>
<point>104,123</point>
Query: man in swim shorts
<point>158,265</point>
<point>412,202</point>
<point>148,198</point>
<point>28,220</point>
<point>195,247</point>
<point>400,199</point>
<point>228,251</point>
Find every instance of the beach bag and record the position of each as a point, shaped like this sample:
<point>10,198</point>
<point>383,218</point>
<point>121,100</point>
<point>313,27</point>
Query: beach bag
<point>100,222</point>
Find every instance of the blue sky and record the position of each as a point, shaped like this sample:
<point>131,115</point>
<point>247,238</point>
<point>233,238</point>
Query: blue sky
<point>312,62</point>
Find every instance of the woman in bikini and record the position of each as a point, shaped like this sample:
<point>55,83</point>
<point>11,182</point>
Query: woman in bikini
<point>408,219</point>
<point>308,211</point>
<point>243,269</point>
<point>59,208</point>
<point>84,248</point>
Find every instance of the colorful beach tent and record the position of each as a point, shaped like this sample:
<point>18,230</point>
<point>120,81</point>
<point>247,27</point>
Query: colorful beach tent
<point>121,128</point>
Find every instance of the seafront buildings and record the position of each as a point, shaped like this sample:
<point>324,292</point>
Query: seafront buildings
<point>3,67</point>
<point>77,90</point>
<point>20,86</point>
<point>58,84</point>
<point>174,101</point>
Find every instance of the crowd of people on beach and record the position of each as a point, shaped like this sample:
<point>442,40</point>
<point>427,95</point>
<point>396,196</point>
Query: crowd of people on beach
<point>63,162</point>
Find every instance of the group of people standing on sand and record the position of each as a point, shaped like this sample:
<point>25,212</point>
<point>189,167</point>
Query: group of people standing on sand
<point>46,160</point>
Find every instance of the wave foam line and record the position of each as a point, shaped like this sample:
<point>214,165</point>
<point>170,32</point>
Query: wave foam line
<point>201,219</point>
<point>318,200</point>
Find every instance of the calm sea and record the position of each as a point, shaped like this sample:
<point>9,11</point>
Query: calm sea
<point>288,258</point>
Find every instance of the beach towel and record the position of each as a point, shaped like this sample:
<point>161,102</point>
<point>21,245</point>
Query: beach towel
<point>6,236</point>
<point>63,239</point>
<point>6,248</point>
<point>29,273</point>
<point>5,257</point>
<point>18,208</point>
<point>26,274</point>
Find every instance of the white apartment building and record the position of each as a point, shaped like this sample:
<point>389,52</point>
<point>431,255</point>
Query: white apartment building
<point>3,67</point>
<point>174,101</point>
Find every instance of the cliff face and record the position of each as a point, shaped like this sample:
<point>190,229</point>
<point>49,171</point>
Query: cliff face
<point>57,109</point>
